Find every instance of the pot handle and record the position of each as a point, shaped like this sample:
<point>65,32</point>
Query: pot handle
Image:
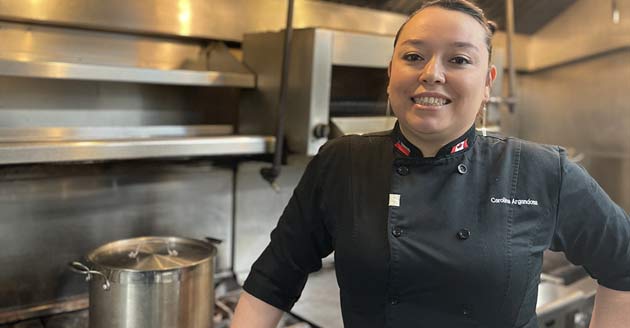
<point>171,252</point>
<point>81,268</point>
<point>213,241</point>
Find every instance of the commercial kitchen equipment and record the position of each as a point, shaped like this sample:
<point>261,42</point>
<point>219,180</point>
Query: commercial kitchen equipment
<point>331,73</point>
<point>152,282</point>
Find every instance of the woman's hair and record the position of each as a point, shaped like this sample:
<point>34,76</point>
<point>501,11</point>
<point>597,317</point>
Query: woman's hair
<point>464,6</point>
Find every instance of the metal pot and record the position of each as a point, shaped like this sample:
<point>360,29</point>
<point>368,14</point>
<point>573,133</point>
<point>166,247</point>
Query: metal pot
<point>153,282</point>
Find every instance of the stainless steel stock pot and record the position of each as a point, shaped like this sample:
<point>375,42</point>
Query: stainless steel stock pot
<point>152,282</point>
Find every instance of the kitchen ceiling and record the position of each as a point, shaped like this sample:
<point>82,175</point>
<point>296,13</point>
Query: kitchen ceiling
<point>529,15</point>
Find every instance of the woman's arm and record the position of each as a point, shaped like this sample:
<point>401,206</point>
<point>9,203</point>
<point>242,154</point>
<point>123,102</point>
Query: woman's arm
<point>612,308</point>
<point>252,312</point>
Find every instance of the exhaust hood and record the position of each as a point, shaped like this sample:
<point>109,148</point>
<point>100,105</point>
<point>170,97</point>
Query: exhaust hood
<point>61,53</point>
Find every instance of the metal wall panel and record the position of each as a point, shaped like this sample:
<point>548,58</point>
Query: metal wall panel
<point>54,214</point>
<point>585,106</point>
<point>568,38</point>
<point>351,49</point>
<point>258,208</point>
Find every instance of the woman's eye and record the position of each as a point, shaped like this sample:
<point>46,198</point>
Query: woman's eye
<point>460,60</point>
<point>412,57</point>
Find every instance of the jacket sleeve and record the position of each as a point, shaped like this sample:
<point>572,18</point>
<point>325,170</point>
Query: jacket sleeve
<point>591,229</point>
<point>298,243</point>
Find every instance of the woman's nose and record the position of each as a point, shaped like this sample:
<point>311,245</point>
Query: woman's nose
<point>432,72</point>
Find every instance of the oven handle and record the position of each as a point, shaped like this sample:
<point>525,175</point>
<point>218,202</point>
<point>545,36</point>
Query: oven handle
<point>81,268</point>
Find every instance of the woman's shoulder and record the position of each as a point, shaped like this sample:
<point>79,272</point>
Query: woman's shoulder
<point>528,152</point>
<point>524,146</point>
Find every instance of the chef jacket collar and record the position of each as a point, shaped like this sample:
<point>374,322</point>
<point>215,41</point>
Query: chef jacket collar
<point>405,148</point>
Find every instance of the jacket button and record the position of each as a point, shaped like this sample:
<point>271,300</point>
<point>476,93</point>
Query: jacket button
<point>394,301</point>
<point>463,234</point>
<point>462,169</point>
<point>402,170</point>
<point>397,232</point>
<point>467,311</point>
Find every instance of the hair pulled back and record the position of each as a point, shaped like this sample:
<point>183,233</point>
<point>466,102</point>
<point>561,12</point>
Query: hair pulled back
<point>463,6</point>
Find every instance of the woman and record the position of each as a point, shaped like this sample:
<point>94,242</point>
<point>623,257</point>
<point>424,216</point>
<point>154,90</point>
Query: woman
<point>432,225</point>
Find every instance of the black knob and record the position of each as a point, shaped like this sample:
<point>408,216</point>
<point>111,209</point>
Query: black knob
<point>321,131</point>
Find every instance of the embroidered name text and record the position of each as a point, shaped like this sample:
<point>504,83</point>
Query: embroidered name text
<point>513,201</point>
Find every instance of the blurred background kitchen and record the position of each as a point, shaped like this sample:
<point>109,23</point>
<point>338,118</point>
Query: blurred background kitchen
<point>121,119</point>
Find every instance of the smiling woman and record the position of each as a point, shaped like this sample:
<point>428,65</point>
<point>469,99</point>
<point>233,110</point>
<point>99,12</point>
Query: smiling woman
<point>433,225</point>
<point>440,76</point>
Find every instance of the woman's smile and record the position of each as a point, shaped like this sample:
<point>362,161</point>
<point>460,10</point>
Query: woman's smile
<point>430,101</point>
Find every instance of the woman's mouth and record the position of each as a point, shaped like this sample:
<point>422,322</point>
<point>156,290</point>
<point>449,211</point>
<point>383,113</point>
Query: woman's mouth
<point>430,101</point>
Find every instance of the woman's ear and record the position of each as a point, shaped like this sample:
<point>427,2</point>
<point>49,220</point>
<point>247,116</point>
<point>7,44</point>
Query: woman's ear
<point>389,74</point>
<point>492,75</point>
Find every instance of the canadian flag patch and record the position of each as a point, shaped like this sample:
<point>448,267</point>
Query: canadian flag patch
<point>402,148</point>
<point>460,146</point>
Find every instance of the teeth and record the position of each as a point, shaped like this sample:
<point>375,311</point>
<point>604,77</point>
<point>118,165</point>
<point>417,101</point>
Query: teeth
<point>430,101</point>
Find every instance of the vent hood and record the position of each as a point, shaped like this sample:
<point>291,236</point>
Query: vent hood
<point>61,53</point>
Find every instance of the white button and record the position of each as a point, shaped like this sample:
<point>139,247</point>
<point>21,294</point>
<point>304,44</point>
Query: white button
<point>394,200</point>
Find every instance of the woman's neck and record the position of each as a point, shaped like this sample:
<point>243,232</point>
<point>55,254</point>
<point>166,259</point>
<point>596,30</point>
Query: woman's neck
<point>429,144</point>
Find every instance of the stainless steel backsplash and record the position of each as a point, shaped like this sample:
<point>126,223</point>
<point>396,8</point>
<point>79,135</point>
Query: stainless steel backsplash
<point>53,214</point>
<point>585,106</point>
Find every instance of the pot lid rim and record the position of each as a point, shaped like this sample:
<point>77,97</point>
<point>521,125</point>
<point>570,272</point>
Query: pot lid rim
<point>92,256</point>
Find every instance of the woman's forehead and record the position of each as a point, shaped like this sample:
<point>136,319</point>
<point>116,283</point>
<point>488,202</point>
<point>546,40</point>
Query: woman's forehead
<point>438,25</point>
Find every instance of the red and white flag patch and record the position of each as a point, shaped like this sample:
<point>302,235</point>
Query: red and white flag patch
<point>460,146</point>
<point>402,148</point>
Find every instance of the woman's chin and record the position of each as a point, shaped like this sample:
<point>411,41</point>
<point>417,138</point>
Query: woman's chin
<point>426,126</point>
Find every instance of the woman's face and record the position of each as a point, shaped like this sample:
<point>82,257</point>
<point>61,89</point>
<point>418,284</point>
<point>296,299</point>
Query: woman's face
<point>439,75</point>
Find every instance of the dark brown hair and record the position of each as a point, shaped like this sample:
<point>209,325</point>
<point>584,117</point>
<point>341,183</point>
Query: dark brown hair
<point>464,6</point>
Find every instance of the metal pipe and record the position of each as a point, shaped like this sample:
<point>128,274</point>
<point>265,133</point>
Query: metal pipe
<point>271,173</point>
<point>509,16</point>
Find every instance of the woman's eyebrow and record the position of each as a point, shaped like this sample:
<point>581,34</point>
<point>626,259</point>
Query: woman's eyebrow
<point>456,44</point>
<point>467,45</point>
<point>415,42</point>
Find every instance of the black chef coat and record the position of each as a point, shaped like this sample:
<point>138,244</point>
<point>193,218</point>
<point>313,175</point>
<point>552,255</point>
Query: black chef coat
<point>455,240</point>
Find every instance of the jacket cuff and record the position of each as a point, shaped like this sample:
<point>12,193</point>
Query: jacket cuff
<point>621,284</point>
<point>263,288</point>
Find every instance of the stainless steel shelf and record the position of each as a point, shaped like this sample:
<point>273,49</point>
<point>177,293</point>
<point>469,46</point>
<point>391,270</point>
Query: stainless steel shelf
<point>90,72</point>
<point>102,133</point>
<point>72,151</point>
